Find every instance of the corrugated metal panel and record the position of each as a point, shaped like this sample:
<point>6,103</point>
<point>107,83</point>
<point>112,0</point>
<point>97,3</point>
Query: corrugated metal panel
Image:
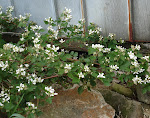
<point>111,15</point>
<point>74,5</point>
<point>39,9</point>
<point>5,4</point>
<point>141,19</point>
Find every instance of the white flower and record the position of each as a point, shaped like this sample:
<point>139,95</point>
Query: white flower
<point>132,56</point>
<point>101,37</point>
<point>31,106</point>
<point>21,71</point>
<point>50,28</point>
<point>146,58</point>
<point>26,65</point>
<point>48,45</point>
<point>36,40</point>
<point>139,71</point>
<point>4,65</point>
<point>106,50</point>
<point>50,91</point>
<point>1,105</point>
<point>55,48</point>
<point>21,87</point>
<point>114,67</point>
<point>101,75</point>
<point>91,31</point>
<point>98,46</point>
<point>81,75</point>
<point>121,49</point>
<point>86,68</point>
<point>49,20</point>
<point>62,41</point>
<point>68,66</point>
<point>136,79</point>
<point>22,39</point>
<point>135,63</point>
<point>111,35</point>
<point>137,47</point>
<point>37,46</point>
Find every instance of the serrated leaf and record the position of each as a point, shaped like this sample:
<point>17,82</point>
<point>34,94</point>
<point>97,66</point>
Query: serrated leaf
<point>80,89</point>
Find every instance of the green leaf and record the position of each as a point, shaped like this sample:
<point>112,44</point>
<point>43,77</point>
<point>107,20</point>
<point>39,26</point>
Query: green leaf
<point>93,83</point>
<point>80,89</point>
<point>49,100</point>
<point>9,106</point>
<point>91,50</point>
<point>31,115</point>
<point>16,115</point>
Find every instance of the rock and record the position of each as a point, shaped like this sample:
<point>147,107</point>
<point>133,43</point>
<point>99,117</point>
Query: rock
<point>122,90</point>
<point>124,107</point>
<point>69,104</point>
<point>142,97</point>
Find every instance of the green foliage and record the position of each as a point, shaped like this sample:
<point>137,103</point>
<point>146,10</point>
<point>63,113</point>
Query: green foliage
<point>40,59</point>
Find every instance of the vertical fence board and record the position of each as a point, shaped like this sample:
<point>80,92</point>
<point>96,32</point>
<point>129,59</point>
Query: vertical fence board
<point>141,20</point>
<point>39,9</point>
<point>74,5</point>
<point>111,15</point>
<point>5,4</point>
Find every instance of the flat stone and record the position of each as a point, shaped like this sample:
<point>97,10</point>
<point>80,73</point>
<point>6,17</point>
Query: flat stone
<point>69,104</point>
<point>125,108</point>
<point>142,97</point>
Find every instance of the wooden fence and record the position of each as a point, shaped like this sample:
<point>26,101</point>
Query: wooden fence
<point>128,19</point>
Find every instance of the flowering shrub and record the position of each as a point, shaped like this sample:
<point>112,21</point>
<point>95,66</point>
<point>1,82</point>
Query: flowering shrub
<point>30,67</point>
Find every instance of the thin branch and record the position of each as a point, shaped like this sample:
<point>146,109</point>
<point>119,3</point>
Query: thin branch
<point>51,77</point>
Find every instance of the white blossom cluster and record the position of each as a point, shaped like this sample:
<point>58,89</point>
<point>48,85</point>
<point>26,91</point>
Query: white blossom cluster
<point>67,15</point>
<point>22,18</point>
<point>49,20</point>
<point>139,70</point>
<point>98,46</point>
<point>21,70</point>
<point>146,58</point>
<point>36,27</point>
<point>34,79</point>
<point>120,48</point>
<point>8,12</point>
<point>101,38</point>
<point>132,56</point>
<point>31,107</point>
<point>50,51</point>
<point>21,87</point>
<point>140,81</point>
<point>112,35</point>
<point>50,91</point>
<point>15,48</point>
<point>114,67</point>
<point>101,48</point>
<point>97,30</point>
<point>4,97</point>
<point>136,47</point>
<point>4,65</point>
<point>54,32</point>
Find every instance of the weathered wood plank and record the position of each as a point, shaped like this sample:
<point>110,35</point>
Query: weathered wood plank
<point>39,9</point>
<point>111,15</point>
<point>141,17</point>
<point>74,5</point>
